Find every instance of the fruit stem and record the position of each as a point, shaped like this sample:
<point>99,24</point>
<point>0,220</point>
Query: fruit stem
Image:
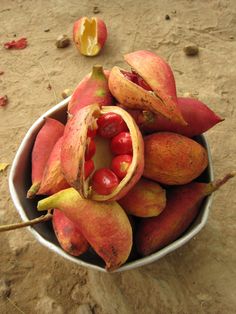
<point>32,222</point>
<point>215,185</point>
<point>33,190</point>
<point>97,72</point>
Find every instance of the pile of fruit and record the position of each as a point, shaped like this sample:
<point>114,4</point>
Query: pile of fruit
<point>121,173</point>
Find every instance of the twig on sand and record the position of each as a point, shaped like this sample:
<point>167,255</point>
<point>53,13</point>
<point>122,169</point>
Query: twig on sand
<point>50,84</point>
<point>15,306</point>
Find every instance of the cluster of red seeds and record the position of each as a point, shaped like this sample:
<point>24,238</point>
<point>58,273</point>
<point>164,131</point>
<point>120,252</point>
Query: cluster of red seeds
<point>112,127</point>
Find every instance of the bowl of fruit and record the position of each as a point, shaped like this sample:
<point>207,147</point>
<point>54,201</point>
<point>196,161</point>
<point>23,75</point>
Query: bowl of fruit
<point>121,170</point>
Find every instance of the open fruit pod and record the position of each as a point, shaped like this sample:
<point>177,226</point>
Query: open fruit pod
<point>89,35</point>
<point>149,86</point>
<point>102,154</point>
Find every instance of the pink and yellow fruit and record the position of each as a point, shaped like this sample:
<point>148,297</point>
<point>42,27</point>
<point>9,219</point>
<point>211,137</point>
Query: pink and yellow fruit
<point>104,225</point>
<point>53,180</point>
<point>199,117</point>
<point>68,234</point>
<point>45,140</point>
<point>146,199</point>
<point>173,159</point>
<point>89,35</point>
<point>93,89</point>
<point>183,205</point>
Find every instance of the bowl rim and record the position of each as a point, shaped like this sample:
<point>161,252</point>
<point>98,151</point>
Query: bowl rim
<point>129,265</point>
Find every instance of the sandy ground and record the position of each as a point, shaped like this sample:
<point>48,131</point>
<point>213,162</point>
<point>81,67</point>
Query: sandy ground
<point>199,277</point>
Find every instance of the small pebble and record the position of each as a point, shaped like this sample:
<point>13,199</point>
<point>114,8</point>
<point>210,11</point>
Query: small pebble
<point>190,95</point>
<point>191,50</point>
<point>66,93</point>
<point>47,30</point>
<point>167,17</point>
<point>96,10</point>
<point>62,41</point>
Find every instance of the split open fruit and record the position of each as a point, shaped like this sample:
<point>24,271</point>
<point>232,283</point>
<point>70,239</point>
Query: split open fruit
<point>89,35</point>
<point>102,152</point>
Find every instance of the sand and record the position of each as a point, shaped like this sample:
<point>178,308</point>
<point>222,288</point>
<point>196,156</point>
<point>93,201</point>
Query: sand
<point>200,276</point>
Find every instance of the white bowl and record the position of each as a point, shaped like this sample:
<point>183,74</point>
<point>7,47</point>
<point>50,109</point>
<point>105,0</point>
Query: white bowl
<point>20,181</point>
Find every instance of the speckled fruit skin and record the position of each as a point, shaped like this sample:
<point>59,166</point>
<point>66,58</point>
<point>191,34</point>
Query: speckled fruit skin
<point>45,140</point>
<point>53,180</point>
<point>183,205</point>
<point>173,159</point>
<point>104,225</point>
<point>157,74</point>
<point>146,199</point>
<point>74,145</point>
<point>92,89</point>
<point>200,118</point>
<point>68,235</point>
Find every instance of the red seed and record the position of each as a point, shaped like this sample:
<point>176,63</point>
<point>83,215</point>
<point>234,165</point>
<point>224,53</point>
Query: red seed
<point>137,79</point>
<point>90,149</point>
<point>91,132</point>
<point>121,144</point>
<point>130,76</point>
<point>88,168</point>
<point>140,81</point>
<point>110,124</point>
<point>120,165</point>
<point>104,181</point>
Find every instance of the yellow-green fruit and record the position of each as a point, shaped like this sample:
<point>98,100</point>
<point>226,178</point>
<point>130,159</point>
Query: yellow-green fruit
<point>146,199</point>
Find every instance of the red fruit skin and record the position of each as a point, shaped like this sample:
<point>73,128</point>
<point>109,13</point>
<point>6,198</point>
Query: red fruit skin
<point>132,96</point>
<point>121,144</point>
<point>90,150</point>
<point>92,89</point>
<point>104,181</point>
<point>105,225</point>
<point>110,124</point>
<point>45,140</point>
<point>53,180</point>
<point>88,168</point>
<point>199,117</point>
<point>155,71</point>
<point>68,234</point>
<point>183,204</point>
<point>101,31</point>
<point>120,164</point>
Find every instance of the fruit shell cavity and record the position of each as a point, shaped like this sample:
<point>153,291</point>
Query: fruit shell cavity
<point>74,147</point>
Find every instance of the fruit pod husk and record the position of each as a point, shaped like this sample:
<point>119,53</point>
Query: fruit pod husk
<point>104,225</point>
<point>74,147</point>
